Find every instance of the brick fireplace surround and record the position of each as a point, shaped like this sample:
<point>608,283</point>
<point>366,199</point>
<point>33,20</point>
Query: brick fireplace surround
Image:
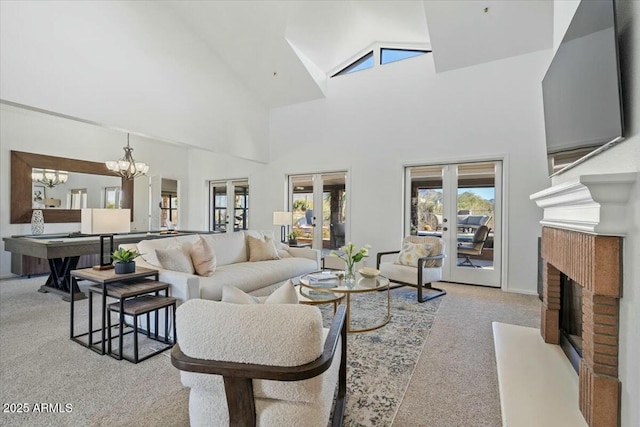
<point>584,221</point>
<point>594,262</point>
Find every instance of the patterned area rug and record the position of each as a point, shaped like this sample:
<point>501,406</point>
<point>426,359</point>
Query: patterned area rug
<point>41,364</point>
<point>381,362</point>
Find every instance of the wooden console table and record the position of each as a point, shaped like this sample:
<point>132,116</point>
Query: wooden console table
<point>63,251</point>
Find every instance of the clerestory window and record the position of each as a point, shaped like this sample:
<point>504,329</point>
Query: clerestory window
<point>361,64</point>
<point>392,55</point>
<point>387,55</point>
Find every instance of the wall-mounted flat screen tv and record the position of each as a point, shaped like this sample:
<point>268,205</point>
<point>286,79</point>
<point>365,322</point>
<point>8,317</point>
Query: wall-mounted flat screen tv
<point>581,89</point>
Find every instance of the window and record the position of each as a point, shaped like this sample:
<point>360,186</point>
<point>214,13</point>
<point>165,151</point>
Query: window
<point>222,216</point>
<point>393,55</point>
<point>361,64</point>
<point>78,198</point>
<point>169,210</point>
<point>112,197</point>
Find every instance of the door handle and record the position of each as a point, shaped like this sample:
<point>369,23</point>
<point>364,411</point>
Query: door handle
<point>444,228</point>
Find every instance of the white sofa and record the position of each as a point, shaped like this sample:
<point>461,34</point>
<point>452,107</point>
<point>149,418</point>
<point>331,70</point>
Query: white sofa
<point>233,267</point>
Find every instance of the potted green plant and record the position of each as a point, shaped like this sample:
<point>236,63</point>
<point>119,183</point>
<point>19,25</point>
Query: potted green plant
<point>123,260</point>
<point>293,237</point>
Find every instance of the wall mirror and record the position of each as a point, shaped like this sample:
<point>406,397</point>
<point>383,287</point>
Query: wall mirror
<point>24,192</point>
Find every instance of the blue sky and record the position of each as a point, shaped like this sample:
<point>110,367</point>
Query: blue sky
<point>485,193</point>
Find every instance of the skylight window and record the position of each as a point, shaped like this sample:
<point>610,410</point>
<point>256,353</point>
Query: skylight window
<point>393,55</point>
<point>361,64</point>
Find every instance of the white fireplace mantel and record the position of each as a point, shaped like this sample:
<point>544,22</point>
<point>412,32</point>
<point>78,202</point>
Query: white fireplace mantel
<point>590,203</point>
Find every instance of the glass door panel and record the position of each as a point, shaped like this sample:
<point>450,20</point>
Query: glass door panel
<point>426,213</point>
<point>334,210</point>
<point>324,227</point>
<point>218,211</point>
<point>475,257</point>
<point>222,216</point>
<point>301,202</point>
<point>453,202</point>
<point>241,212</point>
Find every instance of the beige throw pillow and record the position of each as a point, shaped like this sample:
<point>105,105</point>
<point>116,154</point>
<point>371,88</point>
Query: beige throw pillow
<point>285,294</point>
<point>410,253</point>
<point>175,258</point>
<point>262,250</point>
<point>203,258</point>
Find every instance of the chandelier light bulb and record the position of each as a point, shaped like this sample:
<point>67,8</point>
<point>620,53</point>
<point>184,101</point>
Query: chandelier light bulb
<point>127,167</point>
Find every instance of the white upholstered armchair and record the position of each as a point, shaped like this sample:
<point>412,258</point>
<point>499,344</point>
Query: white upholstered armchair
<point>272,364</point>
<point>418,264</point>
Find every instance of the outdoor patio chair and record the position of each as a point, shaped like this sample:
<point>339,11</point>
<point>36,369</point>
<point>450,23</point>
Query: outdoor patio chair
<point>267,370</point>
<point>418,264</point>
<point>337,235</point>
<point>475,247</point>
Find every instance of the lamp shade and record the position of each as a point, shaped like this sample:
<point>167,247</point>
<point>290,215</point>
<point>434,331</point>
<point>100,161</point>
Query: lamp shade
<point>282,218</point>
<point>105,221</point>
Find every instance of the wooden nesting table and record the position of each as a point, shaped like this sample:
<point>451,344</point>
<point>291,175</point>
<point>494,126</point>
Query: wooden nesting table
<point>124,287</point>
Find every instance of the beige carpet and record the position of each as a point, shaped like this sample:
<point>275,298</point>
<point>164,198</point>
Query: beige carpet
<point>455,382</point>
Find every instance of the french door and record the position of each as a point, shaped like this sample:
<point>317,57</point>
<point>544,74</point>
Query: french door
<point>453,201</point>
<point>318,203</point>
<point>229,205</point>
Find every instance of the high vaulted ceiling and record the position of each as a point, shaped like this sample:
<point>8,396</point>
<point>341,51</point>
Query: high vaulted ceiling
<point>206,73</point>
<point>283,51</point>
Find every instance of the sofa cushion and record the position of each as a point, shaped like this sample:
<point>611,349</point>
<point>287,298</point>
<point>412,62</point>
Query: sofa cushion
<point>203,258</point>
<point>175,258</point>
<point>410,253</point>
<point>262,249</point>
<point>230,248</point>
<point>252,276</point>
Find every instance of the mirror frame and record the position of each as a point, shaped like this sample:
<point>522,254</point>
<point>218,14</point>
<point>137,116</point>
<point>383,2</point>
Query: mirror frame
<point>22,165</point>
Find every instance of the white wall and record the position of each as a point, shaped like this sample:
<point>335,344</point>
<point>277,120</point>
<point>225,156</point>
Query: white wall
<point>25,130</point>
<point>130,65</point>
<point>376,121</point>
<point>625,157</point>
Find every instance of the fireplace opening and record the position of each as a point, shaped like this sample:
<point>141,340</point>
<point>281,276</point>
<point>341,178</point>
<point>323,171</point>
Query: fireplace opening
<point>571,320</point>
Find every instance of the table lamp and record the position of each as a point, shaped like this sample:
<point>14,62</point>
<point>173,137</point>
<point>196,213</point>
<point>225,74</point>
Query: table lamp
<point>283,219</point>
<point>106,223</point>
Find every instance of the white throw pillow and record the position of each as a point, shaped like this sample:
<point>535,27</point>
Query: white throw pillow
<point>175,258</point>
<point>147,248</point>
<point>285,294</point>
<point>233,295</point>
<point>411,252</point>
<point>203,258</point>
<point>283,250</point>
<point>262,250</point>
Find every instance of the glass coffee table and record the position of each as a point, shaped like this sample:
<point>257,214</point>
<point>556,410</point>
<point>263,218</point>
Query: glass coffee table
<point>328,282</point>
<point>313,297</point>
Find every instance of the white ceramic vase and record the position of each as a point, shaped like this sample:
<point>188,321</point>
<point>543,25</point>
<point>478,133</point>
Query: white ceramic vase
<point>37,222</point>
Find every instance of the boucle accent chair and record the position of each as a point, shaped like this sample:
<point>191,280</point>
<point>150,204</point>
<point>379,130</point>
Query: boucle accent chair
<point>273,364</point>
<point>417,264</point>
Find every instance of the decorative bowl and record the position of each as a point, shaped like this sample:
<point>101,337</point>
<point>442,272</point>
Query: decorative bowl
<point>369,272</point>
